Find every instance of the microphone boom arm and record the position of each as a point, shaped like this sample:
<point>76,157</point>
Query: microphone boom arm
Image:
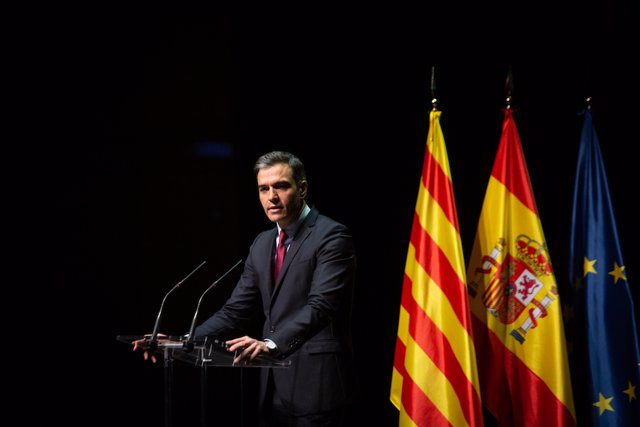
<point>188,344</point>
<point>151,341</point>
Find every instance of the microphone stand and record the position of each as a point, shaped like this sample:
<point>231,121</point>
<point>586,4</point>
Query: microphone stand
<point>151,344</point>
<point>188,346</point>
<point>168,387</point>
<point>168,348</point>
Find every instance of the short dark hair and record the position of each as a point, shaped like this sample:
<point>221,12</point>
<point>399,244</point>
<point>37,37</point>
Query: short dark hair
<point>275,157</point>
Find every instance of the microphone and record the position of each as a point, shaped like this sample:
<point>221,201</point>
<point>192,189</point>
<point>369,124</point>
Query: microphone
<point>151,341</point>
<point>188,344</point>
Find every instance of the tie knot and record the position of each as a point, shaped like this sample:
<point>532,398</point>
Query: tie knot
<point>282,238</point>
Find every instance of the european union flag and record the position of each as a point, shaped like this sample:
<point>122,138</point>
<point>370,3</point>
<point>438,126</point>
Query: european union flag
<point>605,360</point>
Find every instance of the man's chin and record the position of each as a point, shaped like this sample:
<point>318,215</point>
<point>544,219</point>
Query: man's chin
<point>273,217</point>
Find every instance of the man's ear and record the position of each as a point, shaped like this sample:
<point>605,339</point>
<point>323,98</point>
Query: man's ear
<point>303,189</point>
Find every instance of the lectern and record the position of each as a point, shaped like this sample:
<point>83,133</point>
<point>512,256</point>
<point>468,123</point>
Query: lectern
<point>203,353</point>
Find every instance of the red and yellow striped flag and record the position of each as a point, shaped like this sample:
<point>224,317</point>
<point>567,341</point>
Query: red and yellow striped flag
<point>518,330</point>
<point>435,379</point>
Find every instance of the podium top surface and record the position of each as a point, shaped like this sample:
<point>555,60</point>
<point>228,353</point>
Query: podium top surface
<point>203,352</point>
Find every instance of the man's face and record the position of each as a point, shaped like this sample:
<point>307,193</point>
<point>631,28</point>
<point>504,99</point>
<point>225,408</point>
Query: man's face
<point>280,196</point>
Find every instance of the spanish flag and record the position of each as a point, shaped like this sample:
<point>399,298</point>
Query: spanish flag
<point>435,378</point>
<point>515,304</point>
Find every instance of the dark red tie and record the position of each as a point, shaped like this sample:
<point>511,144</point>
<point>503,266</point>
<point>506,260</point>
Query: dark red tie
<point>280,251</point>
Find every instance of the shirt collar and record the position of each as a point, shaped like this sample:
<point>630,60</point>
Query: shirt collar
<point>292,228</point>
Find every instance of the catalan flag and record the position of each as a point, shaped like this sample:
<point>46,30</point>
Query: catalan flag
<point>605,357</point>
<point>434,379</point>
<point>517,317</point>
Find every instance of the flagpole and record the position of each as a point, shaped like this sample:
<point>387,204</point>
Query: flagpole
<point>434,100</point>
<point>509,88</point>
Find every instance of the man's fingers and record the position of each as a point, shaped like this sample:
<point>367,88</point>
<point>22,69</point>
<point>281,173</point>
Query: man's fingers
<point>148,355</point>
<point>247,353</point>
<point>256,352</point>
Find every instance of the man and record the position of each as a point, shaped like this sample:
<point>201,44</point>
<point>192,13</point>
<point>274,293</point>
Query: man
<point>307,307</point>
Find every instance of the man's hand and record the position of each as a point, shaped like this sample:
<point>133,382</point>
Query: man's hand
<point>143,344</point>
<point>246,348</point>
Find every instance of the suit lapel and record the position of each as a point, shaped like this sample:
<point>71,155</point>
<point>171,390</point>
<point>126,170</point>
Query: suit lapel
<point>302,234</point>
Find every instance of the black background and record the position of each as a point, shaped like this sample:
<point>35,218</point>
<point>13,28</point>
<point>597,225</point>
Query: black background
<point>117,206</point>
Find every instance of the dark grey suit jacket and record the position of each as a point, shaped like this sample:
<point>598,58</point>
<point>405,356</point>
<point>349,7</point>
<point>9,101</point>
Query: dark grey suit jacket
<point>307,312</point>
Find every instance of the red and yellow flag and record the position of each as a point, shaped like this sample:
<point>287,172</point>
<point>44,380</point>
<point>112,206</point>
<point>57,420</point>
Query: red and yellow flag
<point>435,379</point>
<point>517,317</point>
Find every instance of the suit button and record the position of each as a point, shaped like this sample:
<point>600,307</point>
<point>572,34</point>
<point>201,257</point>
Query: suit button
<point>272,330</point>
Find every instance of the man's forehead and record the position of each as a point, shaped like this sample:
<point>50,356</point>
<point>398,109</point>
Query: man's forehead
<point>273,174</point>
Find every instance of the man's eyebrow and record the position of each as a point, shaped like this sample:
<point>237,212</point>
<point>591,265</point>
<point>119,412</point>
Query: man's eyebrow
<point>278,184</point>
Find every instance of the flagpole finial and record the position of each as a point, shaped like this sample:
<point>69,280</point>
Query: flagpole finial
<point>509,88</point>
<point>434,101</point>
<point>588,101</point>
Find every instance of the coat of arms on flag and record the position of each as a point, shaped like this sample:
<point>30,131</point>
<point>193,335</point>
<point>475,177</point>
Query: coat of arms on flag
<point>513,283</point>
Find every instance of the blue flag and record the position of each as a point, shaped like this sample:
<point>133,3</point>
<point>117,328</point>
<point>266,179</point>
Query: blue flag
<point>605,360</point>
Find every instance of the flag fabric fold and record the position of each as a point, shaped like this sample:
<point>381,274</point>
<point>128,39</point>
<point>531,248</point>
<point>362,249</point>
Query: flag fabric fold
<point>435,379</point>
<point>602,329</point>
<point>517,318</point>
